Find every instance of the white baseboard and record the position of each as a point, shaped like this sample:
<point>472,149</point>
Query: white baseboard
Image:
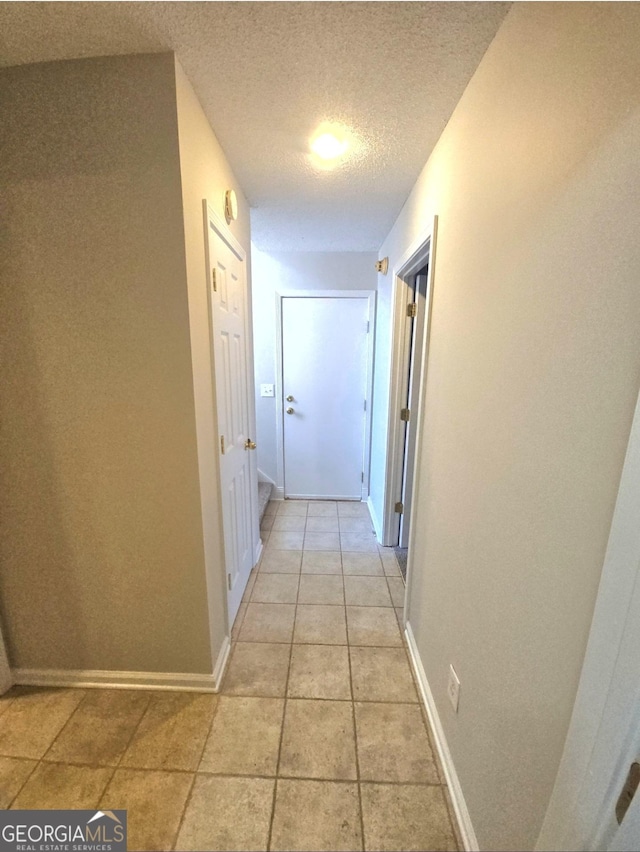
<point>172,682</point>
<point>374,520</point>
<point>278,493</point>
<point>455,790</point>
<point>221,663</point>
<point>258,553</point>
<point>340,497</point>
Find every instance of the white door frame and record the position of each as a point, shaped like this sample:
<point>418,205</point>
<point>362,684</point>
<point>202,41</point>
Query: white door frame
<point>421,252</point>
<point>370,295</point>
<point>415,342</point>
<point>604,722</point>
<point>213,221</point>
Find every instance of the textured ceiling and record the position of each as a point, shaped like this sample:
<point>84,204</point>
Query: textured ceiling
<point>268,73</point>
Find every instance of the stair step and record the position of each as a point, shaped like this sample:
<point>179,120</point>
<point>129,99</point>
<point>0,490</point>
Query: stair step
<point>264,495</point>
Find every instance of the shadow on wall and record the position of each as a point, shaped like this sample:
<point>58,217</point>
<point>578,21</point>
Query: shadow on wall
<point>36,489</point>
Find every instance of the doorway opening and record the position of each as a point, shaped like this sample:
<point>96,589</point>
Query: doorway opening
<point>413,287</point>
<point>416,310</point>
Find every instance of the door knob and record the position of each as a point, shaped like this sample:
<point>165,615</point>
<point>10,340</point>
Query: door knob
<point>249,444</point>
<point>289,410</point>
<point>289,398</point>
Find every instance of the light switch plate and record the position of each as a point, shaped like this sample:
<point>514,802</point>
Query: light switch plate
<point>267,390</point>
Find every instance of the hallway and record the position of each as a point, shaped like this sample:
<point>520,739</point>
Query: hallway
<point>316,736</point>
<point>319,630</point>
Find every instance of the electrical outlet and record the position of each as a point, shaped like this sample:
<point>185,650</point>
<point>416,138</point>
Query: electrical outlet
<point>267,390</point>
<point>453,688</point>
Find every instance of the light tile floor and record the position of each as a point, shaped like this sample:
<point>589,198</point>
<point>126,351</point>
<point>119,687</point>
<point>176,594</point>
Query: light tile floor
<point>317,740</point>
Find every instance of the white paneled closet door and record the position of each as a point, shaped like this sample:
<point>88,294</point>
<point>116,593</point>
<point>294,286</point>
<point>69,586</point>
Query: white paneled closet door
<point>229,325</point>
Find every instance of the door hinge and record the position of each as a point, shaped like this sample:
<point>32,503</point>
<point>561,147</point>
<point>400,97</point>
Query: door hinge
<point>399,508</point>
<point>362,476</point>
<point>412,309</point>
<point>368,324</point>
<point>365,405</point>
<point>229,581</point>
<point>222,444</point>
<point>214,279</point>
<point>405,414</point>
<point>628,791</point>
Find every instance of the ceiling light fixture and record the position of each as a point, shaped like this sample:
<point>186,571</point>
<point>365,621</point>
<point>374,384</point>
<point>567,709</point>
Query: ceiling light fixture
<point>330,144</point>
<point>328,147</point>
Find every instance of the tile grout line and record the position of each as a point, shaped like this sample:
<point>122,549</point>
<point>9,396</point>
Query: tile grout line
<point>211,774</point>
<point>284,716</point>
<point>233,639</point>
<point>309,698</point>
<point>355,644</point>
<point>318,778</point>
<point>41,759</point>
<point>106,787</point>
<point>393,603</point>
<point>70,717</point>
<point>135,729</point>
<point>26,780</point>
<point>124,751</point>
<point>353,721</point>
<point>195,772</point>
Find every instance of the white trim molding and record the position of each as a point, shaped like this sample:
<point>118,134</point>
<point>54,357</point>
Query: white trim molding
<point>374,519</point>
<point>421,251</point>
<point>86,679</point>
<point>453,783</point>
<point>166,681</point>
<point>221,663</point>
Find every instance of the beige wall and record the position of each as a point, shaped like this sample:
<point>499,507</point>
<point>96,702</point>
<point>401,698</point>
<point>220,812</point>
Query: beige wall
<point>101,553</point>
<point>534,370</point>
<point>206,174</point>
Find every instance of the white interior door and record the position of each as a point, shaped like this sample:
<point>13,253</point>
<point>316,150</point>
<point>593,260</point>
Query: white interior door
<point>228,318</point>
<point>413,395</point>
<point>324,384</point>
<point>604,735</point>
<point>627,836</point>
<point>417,258</point>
